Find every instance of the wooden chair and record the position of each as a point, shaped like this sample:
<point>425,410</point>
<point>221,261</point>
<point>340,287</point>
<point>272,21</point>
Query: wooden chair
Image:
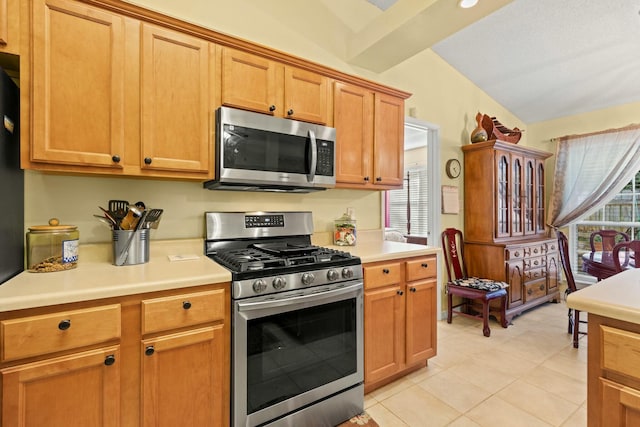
<point>630,248</point>
<point>607,239</point>
<point>470,289</point>
<point>574,315</point>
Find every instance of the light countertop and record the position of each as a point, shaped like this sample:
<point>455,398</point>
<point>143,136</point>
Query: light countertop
<point>617,297</point>
<point>96,277</point>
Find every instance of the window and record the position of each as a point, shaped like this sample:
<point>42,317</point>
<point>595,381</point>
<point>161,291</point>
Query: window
<point>422,166</point>
<point>408,208</point>
<point>622,213</point>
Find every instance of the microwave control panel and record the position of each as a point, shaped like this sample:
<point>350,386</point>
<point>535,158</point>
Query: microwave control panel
<point>326,158</point>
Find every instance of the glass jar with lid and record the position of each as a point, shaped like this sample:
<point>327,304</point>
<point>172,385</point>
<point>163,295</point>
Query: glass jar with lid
<point>52,247</point>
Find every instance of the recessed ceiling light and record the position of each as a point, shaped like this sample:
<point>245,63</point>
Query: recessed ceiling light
<point>466,4</point>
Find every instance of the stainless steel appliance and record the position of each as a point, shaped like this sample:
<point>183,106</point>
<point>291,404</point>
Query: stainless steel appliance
<point>297,327</point>
<point>12,179</point>
<point>259,152</point>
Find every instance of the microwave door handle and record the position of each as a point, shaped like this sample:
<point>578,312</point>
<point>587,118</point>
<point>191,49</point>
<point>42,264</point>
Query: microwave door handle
<point>314,156</point>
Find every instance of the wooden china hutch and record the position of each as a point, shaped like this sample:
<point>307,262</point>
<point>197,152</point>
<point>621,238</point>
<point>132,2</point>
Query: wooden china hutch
<point>504,222</point>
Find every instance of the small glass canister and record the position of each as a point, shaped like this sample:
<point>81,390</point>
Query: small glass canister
<point>52,247</point>
<point>345,230</point>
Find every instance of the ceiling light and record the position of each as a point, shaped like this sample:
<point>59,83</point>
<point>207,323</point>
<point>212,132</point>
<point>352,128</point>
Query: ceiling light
<point>466,4</point>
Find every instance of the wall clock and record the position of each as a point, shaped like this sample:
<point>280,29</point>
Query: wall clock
<point>452,168</point>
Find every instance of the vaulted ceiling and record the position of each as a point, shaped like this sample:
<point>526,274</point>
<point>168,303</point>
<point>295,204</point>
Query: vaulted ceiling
<point>541,59</point>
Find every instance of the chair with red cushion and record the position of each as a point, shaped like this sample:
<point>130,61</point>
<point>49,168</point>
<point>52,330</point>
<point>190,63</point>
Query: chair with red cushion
<point>470,289</point>
<point>574,315</point>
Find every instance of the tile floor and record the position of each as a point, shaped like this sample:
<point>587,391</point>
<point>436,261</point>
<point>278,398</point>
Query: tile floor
<point>526,375</point>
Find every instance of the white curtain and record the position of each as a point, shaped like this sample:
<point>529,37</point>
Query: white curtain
<point>590,170</point>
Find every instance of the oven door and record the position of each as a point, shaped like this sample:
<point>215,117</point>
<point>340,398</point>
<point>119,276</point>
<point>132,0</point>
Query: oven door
<point>296,348</point>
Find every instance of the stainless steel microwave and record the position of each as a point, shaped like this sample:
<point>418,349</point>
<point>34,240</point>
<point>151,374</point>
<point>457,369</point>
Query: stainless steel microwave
<point>258,152</point>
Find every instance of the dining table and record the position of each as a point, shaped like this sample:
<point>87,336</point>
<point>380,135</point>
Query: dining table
<point>599,264</point>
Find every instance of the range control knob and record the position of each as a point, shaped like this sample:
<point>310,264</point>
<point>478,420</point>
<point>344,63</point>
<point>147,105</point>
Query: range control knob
<point>308,278</point>
<point>333,275</point>
<point>259,286</point>
<point>279,283</point>
<point>347,273</point>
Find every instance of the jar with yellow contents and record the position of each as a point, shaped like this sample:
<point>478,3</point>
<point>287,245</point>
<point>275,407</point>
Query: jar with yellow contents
<point>52,247</point>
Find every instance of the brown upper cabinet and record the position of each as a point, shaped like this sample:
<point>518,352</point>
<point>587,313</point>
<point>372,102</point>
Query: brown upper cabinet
<point>124,98</point>
<point>370,138</point>
<point>121,90</point>
<point>9,26</point>
<point>263,85</point>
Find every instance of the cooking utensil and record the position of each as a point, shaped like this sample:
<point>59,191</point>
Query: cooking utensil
<point>105,220</point>
<point>118,209</point>
<point>123,255</point>
<point>131,219</point>
<point>108,215</point>
<point>152,218</point>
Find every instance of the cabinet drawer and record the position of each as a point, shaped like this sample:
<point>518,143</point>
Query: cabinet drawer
<point>161,314</point>
<point>421,268</point>
<point>36,335</point>
<point>381,275</point>
<point>620,351</point>
<point>535,263</point>
<point>534,290</point>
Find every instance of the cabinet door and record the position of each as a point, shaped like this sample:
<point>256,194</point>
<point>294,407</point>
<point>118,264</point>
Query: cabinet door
<point>175,101</point>
<point>77,84</point>
<point>183,378</point>
<point>421,326</point>
<point>528,197</point>
<point>516,197</point>
<point>539,196</point>
<point>502,192</point>
<point>515,279</point>
<point>9,26</point>
<point>384,326</point>
<point>77,390</point>
<point>306,95</point>
<point>249,82</point>
<point>388,141</point>
<point>620,405</point>
<point>553,272</point>
<point>353,120</point>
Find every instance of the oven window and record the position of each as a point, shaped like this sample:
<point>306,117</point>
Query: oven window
<point>260,150</point>
<point>291,353</point>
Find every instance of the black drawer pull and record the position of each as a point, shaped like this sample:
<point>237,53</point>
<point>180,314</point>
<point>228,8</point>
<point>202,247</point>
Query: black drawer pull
<point>64,324</point>
<point>109,360</point>
<point>424,265</point>
<point>149,350</point>
<point>385,270</point>
<point>186,305</point>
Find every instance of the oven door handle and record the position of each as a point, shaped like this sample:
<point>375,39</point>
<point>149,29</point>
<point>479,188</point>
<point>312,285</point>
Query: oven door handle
<point>310,299</point>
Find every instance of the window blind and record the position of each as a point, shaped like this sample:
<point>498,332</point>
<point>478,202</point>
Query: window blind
<point>416,184</point>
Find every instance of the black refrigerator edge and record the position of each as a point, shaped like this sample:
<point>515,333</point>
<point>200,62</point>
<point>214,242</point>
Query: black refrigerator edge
<point>11,182</point>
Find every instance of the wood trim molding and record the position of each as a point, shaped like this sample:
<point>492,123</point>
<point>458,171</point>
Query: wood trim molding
<point>222,39</point>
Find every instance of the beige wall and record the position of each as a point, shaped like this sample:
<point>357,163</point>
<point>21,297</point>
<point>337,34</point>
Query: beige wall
<point>440,95</point>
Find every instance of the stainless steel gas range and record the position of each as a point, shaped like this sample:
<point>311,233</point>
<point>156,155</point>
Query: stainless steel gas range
<point>297,320</point>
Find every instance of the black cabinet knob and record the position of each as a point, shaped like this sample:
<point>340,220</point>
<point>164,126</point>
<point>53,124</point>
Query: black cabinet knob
<point>64,324</point>
<point>109,360</point>
<point>366,178</point>
<point>147,160</point>
<point>272,108</point>
<point>412,289</point>
<point>424,265</point>
<point>378,178</point>
<point>290,112</point>
<point>385,271</point>
<point>115,158</point>
<point>149,350</point>
<point>186,305</point>
<point>400,293</point>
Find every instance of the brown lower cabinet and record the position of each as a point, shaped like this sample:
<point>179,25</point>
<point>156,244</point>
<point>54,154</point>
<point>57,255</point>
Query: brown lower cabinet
<point>400,308</point>
<point>613,373</point>
<point>158,359</point>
